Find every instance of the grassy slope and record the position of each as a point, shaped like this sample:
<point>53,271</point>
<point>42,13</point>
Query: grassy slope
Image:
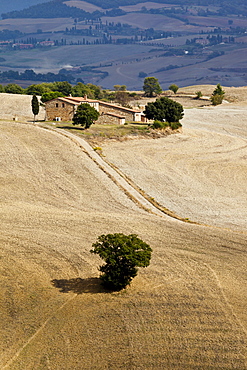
<point>185,311</point>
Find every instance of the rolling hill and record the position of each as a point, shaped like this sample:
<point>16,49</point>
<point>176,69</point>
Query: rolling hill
<point>7,6</point>
<point>187,310</point>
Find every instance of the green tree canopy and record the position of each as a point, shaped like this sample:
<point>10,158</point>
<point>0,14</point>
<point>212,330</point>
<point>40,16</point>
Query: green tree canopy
<point>164,109</point>
<point>122,255</point>
<point>38,89</point>
<point>81,89</point>
<point>151,86</point>
<point>62,86</point>
<point>174,88</point>
<point>85,115</point>
<point>50,95</point>
<point>14,89</point>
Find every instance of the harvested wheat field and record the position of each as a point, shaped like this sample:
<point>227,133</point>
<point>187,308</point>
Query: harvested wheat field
<point>187,310</point>
<point>200,174</point>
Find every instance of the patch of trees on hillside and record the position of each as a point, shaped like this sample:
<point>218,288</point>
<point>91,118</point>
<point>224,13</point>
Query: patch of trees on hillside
<point>52,9</point>
<point>9,34</point>
<point>30,75</point>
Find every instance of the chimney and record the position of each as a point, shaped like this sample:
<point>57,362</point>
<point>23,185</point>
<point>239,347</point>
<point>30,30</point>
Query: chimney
<point>85,97</point>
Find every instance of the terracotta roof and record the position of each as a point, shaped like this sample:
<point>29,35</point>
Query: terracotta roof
<point>113,114</point>
<point>76,100</point>
<point>120,107</point>
<point>79,99</point>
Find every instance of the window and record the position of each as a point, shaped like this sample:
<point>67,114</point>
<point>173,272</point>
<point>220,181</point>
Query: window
<point>56,105</point>
<point>63,105</point>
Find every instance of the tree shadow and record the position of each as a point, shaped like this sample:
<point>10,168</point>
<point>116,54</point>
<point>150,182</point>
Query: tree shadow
<point>79,286</point>
<point>71,128</point>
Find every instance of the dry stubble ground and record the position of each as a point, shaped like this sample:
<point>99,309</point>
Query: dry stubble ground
<point>185,311</point>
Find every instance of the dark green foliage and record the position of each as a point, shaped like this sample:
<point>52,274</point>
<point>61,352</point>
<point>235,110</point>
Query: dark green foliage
<point>85,115</point>
<point>9,34</point>
<point>14,89</point>
<point>173,88</point>
<point>35,106</point>
<point>36,89</point>
<point>151,86</point>
<point>51,9</point>
<point>164,109</point>
<point>217,99</point>
<point>122,255</point>
<point>175,125</point>
<point>198,95</point>
<point>159,124</point>
<point>218,95</point>
<point>50,95</point>
<point>29,74</point>
<point>62,86</point>
<point>218,90</point>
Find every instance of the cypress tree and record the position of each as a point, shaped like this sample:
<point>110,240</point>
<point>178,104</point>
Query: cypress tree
<point>35,107</point>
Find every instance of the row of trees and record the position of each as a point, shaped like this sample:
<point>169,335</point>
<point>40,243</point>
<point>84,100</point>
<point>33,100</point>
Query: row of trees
<point>30,75</point>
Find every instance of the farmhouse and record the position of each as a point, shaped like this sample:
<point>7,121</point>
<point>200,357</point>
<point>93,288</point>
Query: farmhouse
<point>63,109</point>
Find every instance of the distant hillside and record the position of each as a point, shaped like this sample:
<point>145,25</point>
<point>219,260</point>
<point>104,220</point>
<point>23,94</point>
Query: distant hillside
<point>8,6</point>
<point>51,9</point>
<point>57,8</point>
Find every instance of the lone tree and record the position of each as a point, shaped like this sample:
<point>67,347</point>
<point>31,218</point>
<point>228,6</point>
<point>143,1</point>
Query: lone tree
<point>85,115</point>
<point>35,107</point>
<point>151,86</point>
<point>164,109</point>
<point>173,88</point>
<point>122,255</point>
<point>218,95</point>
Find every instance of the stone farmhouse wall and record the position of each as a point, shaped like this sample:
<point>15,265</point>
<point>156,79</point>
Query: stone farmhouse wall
<point>110,118</point>
<point>110,108</point>
<point>63,109</point>
<point>59,110</point>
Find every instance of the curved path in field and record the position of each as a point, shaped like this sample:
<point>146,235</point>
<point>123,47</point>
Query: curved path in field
<point>199,174</point>
<point>187,310</point>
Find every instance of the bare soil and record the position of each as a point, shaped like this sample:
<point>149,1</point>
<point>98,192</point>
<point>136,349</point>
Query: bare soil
<point>187,310</point>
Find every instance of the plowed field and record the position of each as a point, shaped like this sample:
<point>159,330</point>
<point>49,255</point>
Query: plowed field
<point>187,310</point>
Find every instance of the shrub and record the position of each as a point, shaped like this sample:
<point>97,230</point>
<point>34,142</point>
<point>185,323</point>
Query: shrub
<point>217,99</point>
<point>175,125</point>
<point>198,95</point>
<point>159,124</point>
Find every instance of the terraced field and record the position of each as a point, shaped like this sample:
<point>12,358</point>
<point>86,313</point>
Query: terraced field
<point>187,310</point>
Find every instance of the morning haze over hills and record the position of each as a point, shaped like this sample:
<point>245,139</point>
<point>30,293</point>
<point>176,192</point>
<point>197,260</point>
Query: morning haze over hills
<point>118,42</point>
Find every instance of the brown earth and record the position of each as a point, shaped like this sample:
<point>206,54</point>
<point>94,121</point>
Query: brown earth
<point>185,311</point>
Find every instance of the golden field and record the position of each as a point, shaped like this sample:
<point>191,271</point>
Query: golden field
<point>187,310</point>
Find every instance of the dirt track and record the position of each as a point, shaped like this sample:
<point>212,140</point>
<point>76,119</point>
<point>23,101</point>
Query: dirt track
<point>187,310</point>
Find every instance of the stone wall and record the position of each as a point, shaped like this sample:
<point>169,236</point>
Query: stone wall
<point>110,119</point>
<point>108,108</point>
<point>56,108</point>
